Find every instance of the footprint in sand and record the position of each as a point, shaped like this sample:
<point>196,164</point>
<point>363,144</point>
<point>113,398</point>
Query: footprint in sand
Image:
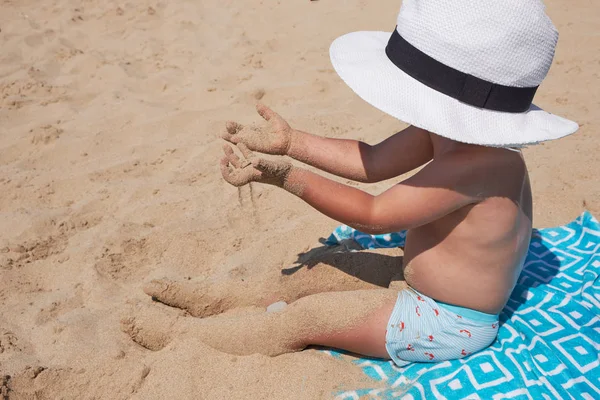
<point>5,386</point>
<point>191,179</point>
<point>258,94</point>
<point>127,261</point>
<point>34,40</point>
<point>66,53</point>
<point>77,15</point>
<point>320,86</point>
<point>123,376</point>
<point>45,134</point>
<point>32,250</point>
<point>59,307</point>
<point>18,254</point>
<point>253,60</point>
<point>21,92</point>
<point>9,342</point>
<point>135,168</point>
<point>163,156</point>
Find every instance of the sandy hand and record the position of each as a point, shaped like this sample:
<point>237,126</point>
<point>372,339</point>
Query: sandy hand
<point>240,172</point>
<point>274,138</point>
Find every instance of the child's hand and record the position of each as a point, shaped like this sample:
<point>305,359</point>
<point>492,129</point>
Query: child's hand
<point>275,138</point>
<point>252,169</point>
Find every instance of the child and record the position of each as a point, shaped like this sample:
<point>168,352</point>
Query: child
<point>463,74</point>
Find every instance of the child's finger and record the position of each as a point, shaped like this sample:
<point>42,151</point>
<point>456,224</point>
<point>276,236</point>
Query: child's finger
<point>225,168</point>
<point>231,156</point>
<point>245,151</point>
<point>233,127</point>
<point>265,112</point>
<point>231,177</point>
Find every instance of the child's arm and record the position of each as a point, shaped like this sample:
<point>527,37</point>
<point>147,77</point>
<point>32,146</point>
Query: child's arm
<point>349,159</point>
<point>425,197</point>
<point>359,161</point>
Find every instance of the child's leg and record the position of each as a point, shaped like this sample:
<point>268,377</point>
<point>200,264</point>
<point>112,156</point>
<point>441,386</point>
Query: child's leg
<point>331,272</point>
<point>355,321</point>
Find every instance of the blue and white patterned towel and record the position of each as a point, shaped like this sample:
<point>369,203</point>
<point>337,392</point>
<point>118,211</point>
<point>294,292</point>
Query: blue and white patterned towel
<point>549,339</point>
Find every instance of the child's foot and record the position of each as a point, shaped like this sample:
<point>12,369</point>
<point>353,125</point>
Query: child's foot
<point>264,333</point>
<point>148,326</point>
<point>193,297</point>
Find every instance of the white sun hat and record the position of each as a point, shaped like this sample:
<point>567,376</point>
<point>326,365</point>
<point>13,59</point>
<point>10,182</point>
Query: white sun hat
<point>463,69</point>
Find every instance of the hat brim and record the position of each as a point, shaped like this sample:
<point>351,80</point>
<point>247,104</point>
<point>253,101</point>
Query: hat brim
<point>359,59</point>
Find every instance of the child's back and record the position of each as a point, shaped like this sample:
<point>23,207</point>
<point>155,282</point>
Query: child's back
<point>473,256</point>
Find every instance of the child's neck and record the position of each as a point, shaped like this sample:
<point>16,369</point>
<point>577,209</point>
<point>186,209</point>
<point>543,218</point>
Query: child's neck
<point>442,145</point>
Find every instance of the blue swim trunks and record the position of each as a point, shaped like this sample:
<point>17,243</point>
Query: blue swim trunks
<point>421,329</point>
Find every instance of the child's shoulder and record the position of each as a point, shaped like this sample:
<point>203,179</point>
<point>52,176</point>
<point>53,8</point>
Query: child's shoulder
<point>481,171</point>
<point>481,160</point>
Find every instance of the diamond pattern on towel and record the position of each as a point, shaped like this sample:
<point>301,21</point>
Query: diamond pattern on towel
<point>549,339</point>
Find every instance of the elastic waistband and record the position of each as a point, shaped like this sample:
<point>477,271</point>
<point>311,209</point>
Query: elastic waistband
<point>469,313</point>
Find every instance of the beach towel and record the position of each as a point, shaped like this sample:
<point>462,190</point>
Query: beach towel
<point>549,338</point>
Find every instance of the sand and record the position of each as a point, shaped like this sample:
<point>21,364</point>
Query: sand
<point>110,119</point>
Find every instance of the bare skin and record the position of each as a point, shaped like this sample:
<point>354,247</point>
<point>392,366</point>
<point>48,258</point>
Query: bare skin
<point>467,212</point>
